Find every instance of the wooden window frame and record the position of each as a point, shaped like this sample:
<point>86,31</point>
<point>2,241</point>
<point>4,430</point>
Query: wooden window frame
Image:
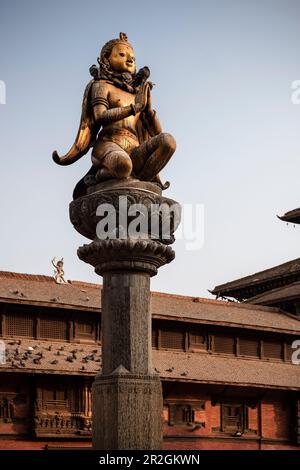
<point>249,356</point>
<point>48,318</point>
<point>244,417</point>
<point>32,317</point>
<point>195,347</point>
<point>274,340</point>
<point>229,354</point>
<point>192,407</point>
<point>83,337</point>
<point>171,329</point>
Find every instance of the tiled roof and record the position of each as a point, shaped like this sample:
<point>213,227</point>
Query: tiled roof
<point>260,282</point>
<point>33,289</point>
<point>79,359</point>
<point>206,368</point>
<point>223,313</point>
<point>291,216</point>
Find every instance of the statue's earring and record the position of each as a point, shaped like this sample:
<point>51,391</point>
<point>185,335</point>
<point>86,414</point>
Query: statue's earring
<point>98,60</point>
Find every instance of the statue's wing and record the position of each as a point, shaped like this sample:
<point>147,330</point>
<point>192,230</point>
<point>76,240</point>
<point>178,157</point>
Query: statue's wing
<point>86,135</point>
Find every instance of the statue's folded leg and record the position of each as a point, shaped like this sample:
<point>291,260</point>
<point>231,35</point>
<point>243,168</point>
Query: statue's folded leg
<point>111,159</point>
<point>151,157</point>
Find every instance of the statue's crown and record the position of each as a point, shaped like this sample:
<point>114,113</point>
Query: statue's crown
<point>123,38</point>
<point>107,48</point>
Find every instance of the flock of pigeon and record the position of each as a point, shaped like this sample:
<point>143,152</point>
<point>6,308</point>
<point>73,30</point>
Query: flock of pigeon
<point>23,355</point>
<point>42,355</point>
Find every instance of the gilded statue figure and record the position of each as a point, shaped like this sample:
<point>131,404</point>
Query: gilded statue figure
<point>59,271</point>
<point>119,123</point>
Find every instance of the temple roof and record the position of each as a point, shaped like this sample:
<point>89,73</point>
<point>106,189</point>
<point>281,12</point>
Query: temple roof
<point>255,284</point>
<point>195,367</point>
<point>291,216</point>
<point>227,314</point>
<point>37,290</point>
<point>275,296</point>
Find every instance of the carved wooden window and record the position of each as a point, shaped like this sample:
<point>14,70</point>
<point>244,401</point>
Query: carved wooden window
<point>272,349</point>
<point>172,339</point>
<point>249,347</point>
<point>197,340</point>
<point>53,328</point>
<point>224,344</point>
<point>181,414</point>
<point>56,398</point>
<point>233,418</point>
<point>19,324</point>
<point>185,413</point>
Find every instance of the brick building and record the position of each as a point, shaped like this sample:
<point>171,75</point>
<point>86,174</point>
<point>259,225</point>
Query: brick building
<point>228,380</point>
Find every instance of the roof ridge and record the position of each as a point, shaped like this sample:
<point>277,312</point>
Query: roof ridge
<point>15,275</point>
<point>86,284</point>
<point>43,278</point>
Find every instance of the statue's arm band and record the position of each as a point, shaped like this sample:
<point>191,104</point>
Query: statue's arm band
<point>100,100</point>
<point>116,114</point>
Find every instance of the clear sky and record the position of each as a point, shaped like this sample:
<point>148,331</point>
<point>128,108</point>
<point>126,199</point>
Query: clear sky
<point>223,71</point>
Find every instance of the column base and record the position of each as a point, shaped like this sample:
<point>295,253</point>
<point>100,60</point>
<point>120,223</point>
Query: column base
<point>127,411</point>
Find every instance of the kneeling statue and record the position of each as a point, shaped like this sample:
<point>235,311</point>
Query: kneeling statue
<point>118,123</point>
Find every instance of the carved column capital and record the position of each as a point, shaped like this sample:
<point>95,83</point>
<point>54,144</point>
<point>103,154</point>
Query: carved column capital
<point>126,255</point>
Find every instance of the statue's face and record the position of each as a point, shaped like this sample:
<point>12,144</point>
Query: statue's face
<point>122,58</point>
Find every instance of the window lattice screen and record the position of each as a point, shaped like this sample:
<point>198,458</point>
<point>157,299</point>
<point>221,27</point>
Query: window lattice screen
<point>19,324</point>
<point>84,329</point>
<point>249,347</point>
<point>273,349</point>
<point>53,328</point>
<point>172,339</point>
<point>224,344</point>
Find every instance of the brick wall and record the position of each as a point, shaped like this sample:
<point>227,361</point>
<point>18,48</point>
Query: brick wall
<point>276,418</point>
<point>273,407</point>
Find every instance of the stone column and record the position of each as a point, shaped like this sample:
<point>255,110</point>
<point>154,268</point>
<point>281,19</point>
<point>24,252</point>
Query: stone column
<point>127,393</point>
